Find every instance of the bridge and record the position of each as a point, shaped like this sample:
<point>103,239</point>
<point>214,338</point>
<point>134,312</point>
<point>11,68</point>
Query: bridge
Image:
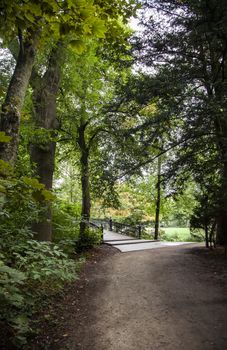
<point>128,238</point>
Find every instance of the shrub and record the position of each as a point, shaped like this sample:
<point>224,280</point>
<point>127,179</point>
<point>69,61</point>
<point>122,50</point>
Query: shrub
<point>66,229</point>
<point>92,237</point>
<point>66,219</point>
<point>178,234</point>
<point>30,271</point>
<point>39,270</point>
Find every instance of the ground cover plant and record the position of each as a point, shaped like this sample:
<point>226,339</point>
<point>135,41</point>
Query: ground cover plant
<point>30,271</point>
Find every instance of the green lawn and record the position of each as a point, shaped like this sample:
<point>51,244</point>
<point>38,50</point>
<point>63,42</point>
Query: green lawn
<point>181,234</point>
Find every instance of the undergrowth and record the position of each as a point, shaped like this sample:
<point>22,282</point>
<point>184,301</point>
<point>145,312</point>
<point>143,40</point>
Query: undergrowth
<point>30,271</point>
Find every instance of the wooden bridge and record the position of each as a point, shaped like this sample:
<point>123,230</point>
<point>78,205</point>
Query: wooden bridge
<point>128,238</point>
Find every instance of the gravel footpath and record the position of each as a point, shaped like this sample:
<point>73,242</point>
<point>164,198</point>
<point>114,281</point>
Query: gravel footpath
<point>162,299</point>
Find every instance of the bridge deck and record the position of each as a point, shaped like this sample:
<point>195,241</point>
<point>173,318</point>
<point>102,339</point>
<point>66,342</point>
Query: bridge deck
<point>114,236</point>
<point>128,244</point>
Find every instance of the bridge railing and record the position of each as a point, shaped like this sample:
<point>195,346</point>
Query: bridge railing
<point>118,227</point>
<point>125,229</point>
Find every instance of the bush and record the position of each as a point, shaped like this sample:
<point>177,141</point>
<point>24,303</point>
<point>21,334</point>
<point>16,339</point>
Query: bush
<point>134,219</point>
<point>12,301</point>
<point>66,219</point>
<point>66,229</point>
<point>178,234</point>
<point>39,270</point>
<point>30,271</point>
<point>91,237</point>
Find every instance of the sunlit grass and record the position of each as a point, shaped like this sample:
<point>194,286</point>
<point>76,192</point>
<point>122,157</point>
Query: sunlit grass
<point>180,234</point>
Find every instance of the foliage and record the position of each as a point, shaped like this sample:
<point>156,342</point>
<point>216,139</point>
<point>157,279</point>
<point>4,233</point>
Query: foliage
<point>190,80</point>
<point>91,237</point>
<point>137,202</point>
<point>29,270</point>
<point>7,64</point>
<point>66,218</point>
<point>180,234</point>
<point>205,215</point>
<point>55,18</point>
<point>66,229</point>
<point>113,123</point>
<point>85,125</point>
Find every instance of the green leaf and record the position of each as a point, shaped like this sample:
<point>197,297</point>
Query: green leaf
<point>29,17</point>
<point>2,189</point>
<point>34,183</point>
<point>4,137</point>
<point>78,46</point>
<point>99,29</point>
<point>15,275</point>
<point>85,13</point>
<point>36,9</point>
<point>5,168</point>
<point>48,196</point>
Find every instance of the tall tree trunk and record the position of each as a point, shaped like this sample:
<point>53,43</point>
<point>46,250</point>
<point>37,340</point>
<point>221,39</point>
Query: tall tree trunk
<point>219,71</point>
<point>71,188</point>
<point>11,108</point>
<point>221,136</point>
<point>85,183</point>
<point>158,200</point>
<point>217,96</point>
<point>43,158</point>
<point>42,153</point>
<point>206,235</point>
<point>222,216</point>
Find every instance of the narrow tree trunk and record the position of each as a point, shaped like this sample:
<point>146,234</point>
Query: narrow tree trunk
<point>220,124</point>
<point>222,217</point>
<point>217,96</point>
<point>42,153</point>
<point>206,236</point>
<point>212,235</point>
<point>158,200</point>
<point>71,185</point>
<point>221,137</point>
<point>86,201</point>
<point>85,183</point>
<point>11,108</point>
<point>43,158</point>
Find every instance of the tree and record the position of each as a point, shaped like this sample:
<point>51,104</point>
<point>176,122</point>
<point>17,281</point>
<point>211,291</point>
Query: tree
<point>29,22</point>
<point>204,215</point>
<point>158,200</point>
<point>46,88</point>
<point>190,53</point>
<point>82,120</point>
<point>42,149</point>
<point>33,23</point>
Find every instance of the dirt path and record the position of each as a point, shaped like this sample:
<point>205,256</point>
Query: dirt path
<point>166,299</point>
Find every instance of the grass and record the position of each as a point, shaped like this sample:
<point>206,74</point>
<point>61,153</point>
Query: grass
<point>180,234</point>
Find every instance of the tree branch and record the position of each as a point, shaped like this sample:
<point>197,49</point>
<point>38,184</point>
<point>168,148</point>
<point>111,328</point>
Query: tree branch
<point>148,161</point>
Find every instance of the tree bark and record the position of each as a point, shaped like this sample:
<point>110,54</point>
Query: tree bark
<point>217,94</point>
<point>43,158</point>
<point>206,235</point>
<point>222,217</point>
<point>221,135</point>
<point>42,153</point>
<point>158,200</point>
<point>219,75</point>
<point>12,106</point>
<point>85,183</point>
